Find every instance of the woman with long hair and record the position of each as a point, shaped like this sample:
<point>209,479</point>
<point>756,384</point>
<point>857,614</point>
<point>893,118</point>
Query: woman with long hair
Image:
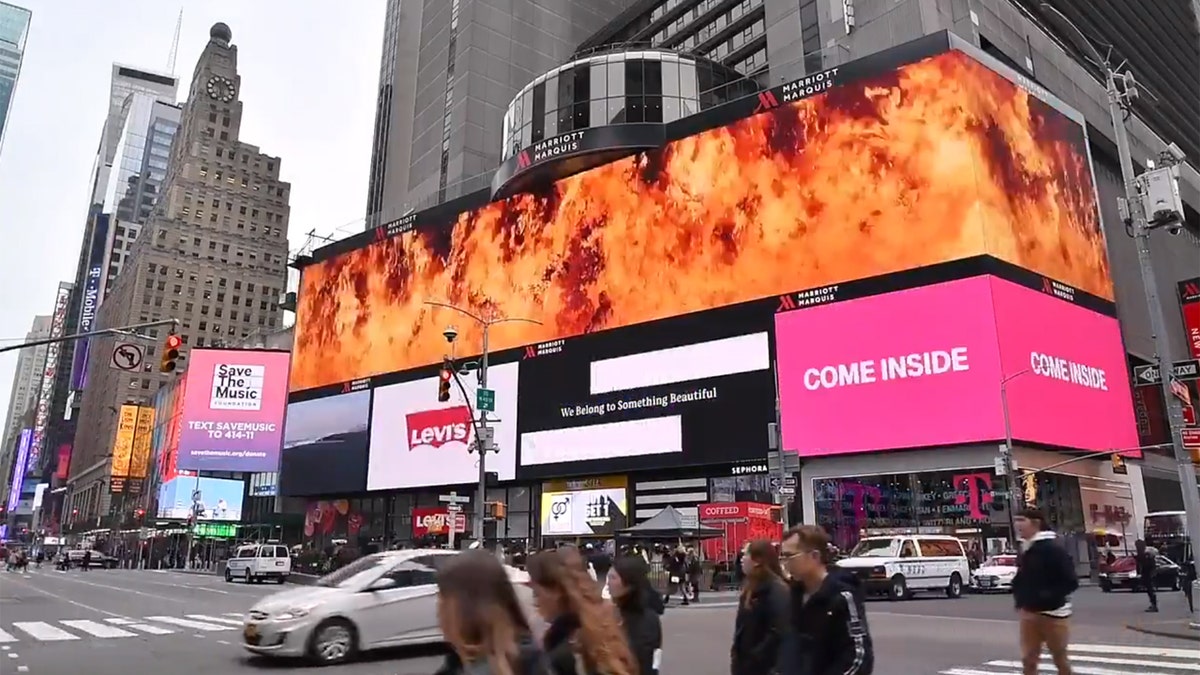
<point>764,612</point>
<point>584,636</point>
<point>482,620</point>
<point>639,607</point>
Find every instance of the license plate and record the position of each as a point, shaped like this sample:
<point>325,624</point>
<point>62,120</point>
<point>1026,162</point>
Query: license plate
<point>279,563</point>
<point>251,631</point>
<point>987,582</point>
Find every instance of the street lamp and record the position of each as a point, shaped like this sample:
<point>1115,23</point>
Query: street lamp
<point>1007,456</point>
<point>1121,88</point>
<point>484,442</point>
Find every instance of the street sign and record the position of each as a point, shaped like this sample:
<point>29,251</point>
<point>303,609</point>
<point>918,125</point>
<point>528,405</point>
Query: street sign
<point>776,483</point>
<point>1180,391</point>
<point>453,508</point>
<point>1189,415</point>
<point>1182,370</point>
<point>787,491</point>
<point>454,498</point>
<point>485,399</point>
<point>789,481</point>
<point>1191,438</point>
<point>127,356</point>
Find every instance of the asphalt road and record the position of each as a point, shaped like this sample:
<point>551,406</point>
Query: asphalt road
<point>117,622</point>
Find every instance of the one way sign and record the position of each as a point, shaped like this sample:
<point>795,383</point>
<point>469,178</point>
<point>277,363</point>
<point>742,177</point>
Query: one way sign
<point>1182,370</point>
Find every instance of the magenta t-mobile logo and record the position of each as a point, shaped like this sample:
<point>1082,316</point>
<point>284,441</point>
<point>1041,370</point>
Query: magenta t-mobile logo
<point>978,492</point>
<point>860,496</point>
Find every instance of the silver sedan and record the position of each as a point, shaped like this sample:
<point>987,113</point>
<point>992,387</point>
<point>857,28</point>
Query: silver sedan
<point>379,601</point>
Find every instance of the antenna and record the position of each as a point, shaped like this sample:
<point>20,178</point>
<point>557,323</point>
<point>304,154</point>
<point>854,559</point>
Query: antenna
<point>175,44</point>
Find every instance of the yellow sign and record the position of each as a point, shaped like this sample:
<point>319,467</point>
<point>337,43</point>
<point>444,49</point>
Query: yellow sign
<point>1031,489</point>
<point>139,461</point>
<point>594,483</point>
<point>123,444</point>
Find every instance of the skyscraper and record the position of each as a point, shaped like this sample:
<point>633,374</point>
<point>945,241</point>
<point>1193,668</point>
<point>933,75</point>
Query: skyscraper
<point>213,255</point>
<point>14,27</point>
<point>26,379</point>
<point>448,71</point>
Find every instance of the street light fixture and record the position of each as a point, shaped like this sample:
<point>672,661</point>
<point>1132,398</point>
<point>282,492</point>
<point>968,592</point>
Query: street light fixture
<point>484,442</point>
<point>1006,454</point>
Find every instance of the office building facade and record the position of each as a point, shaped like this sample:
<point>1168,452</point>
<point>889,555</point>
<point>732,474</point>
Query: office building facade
<point>448,72</point>
<point>23,395</point>
<point>212,255</point>
<point>14,29</point>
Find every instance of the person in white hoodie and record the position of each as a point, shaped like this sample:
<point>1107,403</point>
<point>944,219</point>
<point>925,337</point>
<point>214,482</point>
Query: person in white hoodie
<point>1042,591</point>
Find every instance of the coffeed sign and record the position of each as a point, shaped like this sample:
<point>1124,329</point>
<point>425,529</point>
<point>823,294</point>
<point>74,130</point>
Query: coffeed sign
<point>237,387</point>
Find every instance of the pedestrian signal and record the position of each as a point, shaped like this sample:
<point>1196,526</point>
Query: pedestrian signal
<point>444,379</point>
<point>170,353</point>
<point>1118,464</point>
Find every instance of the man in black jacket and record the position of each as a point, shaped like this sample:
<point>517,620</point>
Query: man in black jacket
<point>829,621</point>
<point>1042,591</point>
<point>1147,565</point>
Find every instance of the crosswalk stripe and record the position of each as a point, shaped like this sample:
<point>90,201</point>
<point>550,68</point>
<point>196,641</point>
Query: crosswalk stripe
<point>1080,670</point>
<point>215,619</point>
<point>1131,650</point>
<point>150,629</point>
<point>6,637</point>
<point>40,630</point>
<point>236,615</point>
<point>972,671</point>
<point>96,629</point>
<point>188,623</point>
<point>1192,667</point>
<point>117,621</point>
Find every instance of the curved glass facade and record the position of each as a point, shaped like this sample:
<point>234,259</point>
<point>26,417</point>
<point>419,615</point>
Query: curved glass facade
<point>626,87</point>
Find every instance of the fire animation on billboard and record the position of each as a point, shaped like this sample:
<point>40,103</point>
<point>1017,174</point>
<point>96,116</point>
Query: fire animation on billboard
<point>812,192</point>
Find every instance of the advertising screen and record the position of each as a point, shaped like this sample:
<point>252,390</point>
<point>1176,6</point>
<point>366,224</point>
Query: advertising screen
<point>233,410</point>
<point>437,521</point>
<point>703,222</point>
<point>418,442</point>
<point>214,499</point>
<point>325,448</point>
<point>1069,384</point>
<point>123,442</point>
<point>598,511</point>
<point>92,294</point>
<point>602,404</point>
<point>1189,304</point>
<point>63,468</point>
<point>913,368</point>
<point>18,469</point>
<point>45,394</point>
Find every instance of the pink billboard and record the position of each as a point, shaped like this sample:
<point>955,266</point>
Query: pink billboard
<point>908,369</point>
<point>1068,383</point>
<point>233,410</point>
<point>923,367</point>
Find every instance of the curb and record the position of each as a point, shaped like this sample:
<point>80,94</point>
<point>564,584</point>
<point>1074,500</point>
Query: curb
<point>1192,636</point>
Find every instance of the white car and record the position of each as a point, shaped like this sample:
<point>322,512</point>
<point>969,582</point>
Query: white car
<point>253,563</point>
<point>900,565</point>
<point>381,600</point>
<point>995,574</point>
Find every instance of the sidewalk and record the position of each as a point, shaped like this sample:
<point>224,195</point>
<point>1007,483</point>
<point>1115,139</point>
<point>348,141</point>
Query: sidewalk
<point>1170,628</point>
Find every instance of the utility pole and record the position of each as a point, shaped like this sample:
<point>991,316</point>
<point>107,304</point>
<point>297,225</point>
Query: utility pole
<point>484,436</point>
<point>1009,462</point>
<point>1121,89</point>
<point>775,444</point>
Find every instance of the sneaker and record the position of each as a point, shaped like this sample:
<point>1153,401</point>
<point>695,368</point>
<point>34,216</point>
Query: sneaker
<point>1151,610</point>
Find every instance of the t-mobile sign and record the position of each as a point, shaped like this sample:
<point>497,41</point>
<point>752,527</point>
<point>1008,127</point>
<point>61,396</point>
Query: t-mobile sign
<point>908,369</point>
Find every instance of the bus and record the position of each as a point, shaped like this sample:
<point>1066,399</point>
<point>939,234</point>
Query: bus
<point>1167,532</point>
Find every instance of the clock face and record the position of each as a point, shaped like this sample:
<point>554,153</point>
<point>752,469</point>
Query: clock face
<point>221,89</point>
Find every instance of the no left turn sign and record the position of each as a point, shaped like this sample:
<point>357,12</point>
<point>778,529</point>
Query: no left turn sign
<point>127,356</point>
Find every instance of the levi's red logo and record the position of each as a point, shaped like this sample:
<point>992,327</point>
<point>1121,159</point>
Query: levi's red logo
<point>436,428</point>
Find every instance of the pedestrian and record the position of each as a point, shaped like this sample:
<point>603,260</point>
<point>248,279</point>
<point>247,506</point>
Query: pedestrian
<point>829,620</point>
<point>478,612</point>
<point>39,558</point>
<point>1042,591</point>
<point>676,565</point>
<point>584,636</point>
<point>763,620</point>
<point>640,610</point>
<point>1189,577</point>
<point>1146,560</point>
<point>87,559</point>
<point>695,573</point>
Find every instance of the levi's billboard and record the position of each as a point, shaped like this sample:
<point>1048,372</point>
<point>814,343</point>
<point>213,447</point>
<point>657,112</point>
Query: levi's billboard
<point>925,366</point>
<point>418,442</point>
<point>233,410</point>
<point>436,520</point>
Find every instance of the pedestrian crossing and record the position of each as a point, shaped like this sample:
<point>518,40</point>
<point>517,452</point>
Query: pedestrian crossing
<point>69,630</point>
<point>1095,659</point>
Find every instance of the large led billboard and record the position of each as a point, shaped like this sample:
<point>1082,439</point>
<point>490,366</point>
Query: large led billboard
<point>325,447</point>
<point>925,366</point>
<point>938,160</point>
<point>45,392</point>
<point>233,410</point>
<point>18,473</point>
<point>89,302</point>
<point>212,499</point>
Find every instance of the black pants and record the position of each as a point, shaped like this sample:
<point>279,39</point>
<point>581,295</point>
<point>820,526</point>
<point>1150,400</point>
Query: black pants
<point>1187,592</point>
<point>1148,583</point>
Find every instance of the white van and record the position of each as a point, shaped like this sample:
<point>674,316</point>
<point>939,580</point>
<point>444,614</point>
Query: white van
<point>255,562</point>
<point>899,565</point>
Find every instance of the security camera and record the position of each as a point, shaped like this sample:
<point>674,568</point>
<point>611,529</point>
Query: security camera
<point>1176,153</point>
<point>451,334</point>
<point>1174,228</point>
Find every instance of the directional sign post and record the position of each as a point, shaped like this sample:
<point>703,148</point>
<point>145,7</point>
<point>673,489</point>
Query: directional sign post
<point>1181,370</point>
<point>485,399</point>
<point>127,356</point>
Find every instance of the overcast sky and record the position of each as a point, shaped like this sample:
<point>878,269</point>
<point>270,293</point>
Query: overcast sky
<point>309,71</point>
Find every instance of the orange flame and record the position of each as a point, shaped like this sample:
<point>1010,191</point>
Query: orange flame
<point>940,160</point>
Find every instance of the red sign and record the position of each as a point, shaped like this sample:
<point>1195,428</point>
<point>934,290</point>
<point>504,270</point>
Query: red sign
<point>741,522</point>
<point>436,520</point>
<point>1190,438</point>
<point>63,471</point>
<point>1189,301</point>
<point>435,428</point>
<point>1189,415</point>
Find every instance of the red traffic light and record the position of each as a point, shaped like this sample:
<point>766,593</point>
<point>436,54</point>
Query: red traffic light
<point>446,375</point>
<point>173,341</point>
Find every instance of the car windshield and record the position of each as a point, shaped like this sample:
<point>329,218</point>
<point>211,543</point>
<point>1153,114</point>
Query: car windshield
<point>1001,561</point>
<point>875,548</point>
<point>354,574</point>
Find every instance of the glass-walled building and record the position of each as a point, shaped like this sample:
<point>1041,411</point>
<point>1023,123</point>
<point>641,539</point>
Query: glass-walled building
<point>14,28</point>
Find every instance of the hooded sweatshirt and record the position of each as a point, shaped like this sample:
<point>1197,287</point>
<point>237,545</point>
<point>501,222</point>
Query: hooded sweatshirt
<point>830,632</point>
<point>1045,577</point>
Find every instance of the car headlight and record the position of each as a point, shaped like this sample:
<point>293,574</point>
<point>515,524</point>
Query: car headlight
<point>293,613</point>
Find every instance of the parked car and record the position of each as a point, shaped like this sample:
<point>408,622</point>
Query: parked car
<point>1122,573</point>
<point>995,574</point>
<point>382,600</point>
<point>97,559</point>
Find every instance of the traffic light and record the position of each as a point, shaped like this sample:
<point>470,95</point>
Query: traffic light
<point>1118,464</point>
<point>170,353</point>
<point>497,510</point>
<point>444,379</point>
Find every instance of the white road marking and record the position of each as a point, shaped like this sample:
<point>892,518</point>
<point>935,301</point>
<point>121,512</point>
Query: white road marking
<point>22,669</point>
<point>121,622</point>
<point>971,671</point>
<point>72,602</point>
<point>187,623</point>
<point>1080,670</point>
<point>6,637</point>
<point>14,655</point>
<point>216,619</point>
<point>1131,650</point>
<point>40,630</point>
<point>151,629</point>
<point>96,629</point>
<point>1191,667</point>
<point>236,615</point>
